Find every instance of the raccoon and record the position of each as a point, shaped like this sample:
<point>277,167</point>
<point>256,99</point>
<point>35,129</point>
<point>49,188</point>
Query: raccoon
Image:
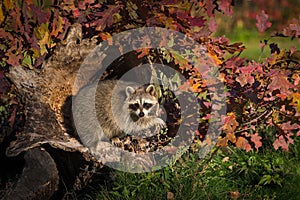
<point>120,107</point>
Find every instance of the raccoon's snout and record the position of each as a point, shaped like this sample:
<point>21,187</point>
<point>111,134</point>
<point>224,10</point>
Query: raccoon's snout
<point>141,114</point>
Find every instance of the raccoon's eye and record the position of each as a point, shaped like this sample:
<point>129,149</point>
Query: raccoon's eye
<point>147,105</point>
<point>134,106</point>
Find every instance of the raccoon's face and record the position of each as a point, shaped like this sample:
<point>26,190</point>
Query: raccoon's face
<point>141,102</point>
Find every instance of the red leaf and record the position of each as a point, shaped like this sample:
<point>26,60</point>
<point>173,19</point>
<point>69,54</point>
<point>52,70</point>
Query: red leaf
<point>6,35</point>
<point>287,127</point>
<point>197,21</point>
<point>245,78</point>
<point>14,56</point>
<point>39,14</point>
<point>212,25</point>
<point>262,21</point>
<point>283,142</point>
<point>210,7</point>
<point>256,139</point>
<point>279,82</point>
<point>225,6</point>
<point>230,123</point>
<point>106,17</point>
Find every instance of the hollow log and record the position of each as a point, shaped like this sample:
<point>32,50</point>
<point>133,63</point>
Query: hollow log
<point>56,164</point>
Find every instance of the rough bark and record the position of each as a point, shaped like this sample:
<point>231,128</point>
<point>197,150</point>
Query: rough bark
<point>55,160</point>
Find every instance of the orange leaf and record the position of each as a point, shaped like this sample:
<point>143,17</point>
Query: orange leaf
<point>230,123</point>
<point>243,144</point>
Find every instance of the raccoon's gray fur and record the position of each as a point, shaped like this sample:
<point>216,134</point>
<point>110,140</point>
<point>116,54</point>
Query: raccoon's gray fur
<point>120,107</point>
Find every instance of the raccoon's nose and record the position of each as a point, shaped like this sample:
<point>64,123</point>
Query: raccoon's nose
<point>141,114</point>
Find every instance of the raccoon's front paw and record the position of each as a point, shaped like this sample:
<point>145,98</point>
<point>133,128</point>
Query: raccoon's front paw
<point>161,123</point>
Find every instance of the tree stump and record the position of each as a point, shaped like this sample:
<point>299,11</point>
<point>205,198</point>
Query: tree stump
<point>56,163</point>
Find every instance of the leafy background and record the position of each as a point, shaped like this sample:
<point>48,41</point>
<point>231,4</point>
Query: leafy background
<point>263,91</point>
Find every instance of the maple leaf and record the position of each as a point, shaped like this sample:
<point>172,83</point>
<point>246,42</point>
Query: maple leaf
<point>296,101</point>
<point>262,21</point>
<point>14,53</point>
<point>279,82</point>
<point>212,25</point>
<point>38,13</point>
<point>210,7</point>
<point>242,143</point>
<point>283,142</point>
<point>196,21</point>
<point>42,34</point>
<point>225,6</point>
<point>1,15</point>
<point>6,35</point>
<point>245,78</point>
<point>230,123</point>
<point>57,26</point>
<point>143,52</point>
<point>13,58</point>
<point>287,127</point>
<point>8,4</point>
<point>222,142</point>
<point>256,139</point>
<point>106,17</point>
<point>246,73</point>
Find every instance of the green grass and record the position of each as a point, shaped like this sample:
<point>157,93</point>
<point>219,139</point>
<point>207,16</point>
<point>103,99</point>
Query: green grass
<point>267,174</point>
<point>252,38</point>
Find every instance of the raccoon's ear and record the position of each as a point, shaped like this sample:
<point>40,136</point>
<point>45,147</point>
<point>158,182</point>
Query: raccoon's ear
<point>151,90</point>
<point>129,91</point>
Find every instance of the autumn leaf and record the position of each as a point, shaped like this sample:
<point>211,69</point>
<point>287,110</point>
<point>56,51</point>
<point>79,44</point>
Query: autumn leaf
<point>106,18</point>
<point>39,14</point>
<point>256,139</point>
<point>225,6</point>
<point>279,82</point>
<point>212,25</point>
<point>8,4</point>
<point>13,58</point>
<point>143,52</point>
<point>42,34</point>
<point>222,142</point>
<point>1,15</point>
<point>283,142</point>
<point>230,123</point>
<point>57,26</point>
<point>295,97</point>
<point>245,78</point>
<point>242,143</point>
<point>288,127</point>
<point>262,21</point>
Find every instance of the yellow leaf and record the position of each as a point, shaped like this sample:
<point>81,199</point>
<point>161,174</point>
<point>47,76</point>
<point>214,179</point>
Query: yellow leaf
<point>215,58</point>
<point>296,101</point>
<point>8,4</point>
<point>41,31</point>
<point>43,35</point>
<point>1,15</point>
<point>117,17</point>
